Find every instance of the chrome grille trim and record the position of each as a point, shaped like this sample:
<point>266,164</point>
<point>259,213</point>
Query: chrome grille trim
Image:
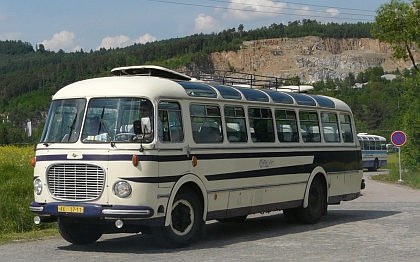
<point>75,181</point>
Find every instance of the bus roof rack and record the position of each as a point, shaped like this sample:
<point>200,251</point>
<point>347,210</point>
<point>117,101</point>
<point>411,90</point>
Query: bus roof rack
<point>149,70</point>
<point>222,77</point>
<point>247,80</point>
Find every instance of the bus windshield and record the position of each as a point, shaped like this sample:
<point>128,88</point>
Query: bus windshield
<point>64,121</point>
<point>107,119</point>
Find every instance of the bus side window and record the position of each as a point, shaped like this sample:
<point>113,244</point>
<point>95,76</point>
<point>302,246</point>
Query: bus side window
<point>330,127</point>
<point>235,124</point>
<point>261,124</point>
<point>286,123</point>
<point>206,123</point>
<point>347,133</point>
<point>309,126</point>
<point>171,118</point>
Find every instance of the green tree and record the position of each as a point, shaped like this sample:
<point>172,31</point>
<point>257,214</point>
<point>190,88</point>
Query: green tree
<point>411,122</point>
<point>397,23</point>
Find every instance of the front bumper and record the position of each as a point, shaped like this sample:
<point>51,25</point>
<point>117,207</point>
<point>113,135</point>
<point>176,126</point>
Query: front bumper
<point>91,210</point>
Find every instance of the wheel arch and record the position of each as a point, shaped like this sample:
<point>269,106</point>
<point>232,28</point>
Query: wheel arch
<point>317,172</point>
<point>194,183</point>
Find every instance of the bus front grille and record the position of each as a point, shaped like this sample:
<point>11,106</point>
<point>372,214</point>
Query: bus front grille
<point>75,182</point>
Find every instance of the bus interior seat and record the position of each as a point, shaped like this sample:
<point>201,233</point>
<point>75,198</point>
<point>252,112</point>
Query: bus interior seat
<point>176,134</point>
<point>209,133</point>
<point>233,132</point>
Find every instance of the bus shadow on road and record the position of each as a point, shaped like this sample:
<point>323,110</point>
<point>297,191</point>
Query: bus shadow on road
<point>220,234</point>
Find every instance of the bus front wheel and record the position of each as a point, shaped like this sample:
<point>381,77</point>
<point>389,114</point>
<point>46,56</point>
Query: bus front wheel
<point>186,221</point>
<point>77,233</point>
<point>316,203</point>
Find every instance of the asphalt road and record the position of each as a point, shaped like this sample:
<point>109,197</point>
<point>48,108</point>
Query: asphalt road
<point>381,225</point>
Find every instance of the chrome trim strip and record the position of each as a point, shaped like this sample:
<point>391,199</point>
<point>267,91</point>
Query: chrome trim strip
<point>343,172</point>
<point>125,212</point>
<point>255,187</point>
<point>36,209</point>
<point>163,196</point>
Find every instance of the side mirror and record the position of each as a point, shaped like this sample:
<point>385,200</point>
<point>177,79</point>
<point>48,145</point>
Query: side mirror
<point>142,126</point>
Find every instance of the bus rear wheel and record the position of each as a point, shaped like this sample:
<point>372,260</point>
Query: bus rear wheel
<point>316,203</point>
<point>186,221</point>
<point>375,165</point>
<point>79,234</point>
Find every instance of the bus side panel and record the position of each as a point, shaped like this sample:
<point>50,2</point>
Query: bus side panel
<point>239,203</point>
<point>217,205</point>
<point>336,184</point>
<point>353,182</point>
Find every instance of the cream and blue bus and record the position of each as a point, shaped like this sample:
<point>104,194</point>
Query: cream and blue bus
<point>155,151</point>
<point>374,151</point>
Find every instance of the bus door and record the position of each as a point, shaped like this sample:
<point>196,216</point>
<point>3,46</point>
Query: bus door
<point>173,156</point>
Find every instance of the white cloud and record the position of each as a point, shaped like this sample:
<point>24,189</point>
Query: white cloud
<point>62,40</point>
<point>144,39</point>
<point>333,11</point>
<point>206,24</point>
<point>253,9</point>
<point>124,41</point>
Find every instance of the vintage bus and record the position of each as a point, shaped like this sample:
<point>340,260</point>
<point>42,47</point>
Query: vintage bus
<point>374,151</point>
<point>155,151</point>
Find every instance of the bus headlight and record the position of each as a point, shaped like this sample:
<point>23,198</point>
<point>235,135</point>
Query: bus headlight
<point>38,186</point>
<point>122,189</point>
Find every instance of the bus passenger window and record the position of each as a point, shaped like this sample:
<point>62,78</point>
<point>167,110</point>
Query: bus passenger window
<point>235,124</point>
<point>309,126</point>
<point>206,123</point>
<point>261,124</point>
<point>330,127</point>
<point>346,132</point>
<point>286,123</point>
<point>171,118</point>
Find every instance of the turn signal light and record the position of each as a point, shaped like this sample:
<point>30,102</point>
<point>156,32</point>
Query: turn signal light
<point>33,161</point>
<point>135,160</point>
<point>194,161</point>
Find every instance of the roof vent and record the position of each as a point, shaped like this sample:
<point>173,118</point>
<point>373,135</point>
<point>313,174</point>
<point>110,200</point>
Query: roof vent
<point>149,70</point>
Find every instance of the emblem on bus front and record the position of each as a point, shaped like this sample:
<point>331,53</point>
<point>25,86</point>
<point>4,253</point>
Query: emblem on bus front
<point>75,155</point>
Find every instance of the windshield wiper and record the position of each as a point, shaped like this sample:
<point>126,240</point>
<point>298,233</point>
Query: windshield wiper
<point>48,143</point>
<point>103,123</point>
<point>72,128</point>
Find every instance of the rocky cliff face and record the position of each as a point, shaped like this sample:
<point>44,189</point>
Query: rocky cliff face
<point>311,58</point>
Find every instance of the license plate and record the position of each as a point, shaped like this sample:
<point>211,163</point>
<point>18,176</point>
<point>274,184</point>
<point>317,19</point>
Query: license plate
<point>71,209</point>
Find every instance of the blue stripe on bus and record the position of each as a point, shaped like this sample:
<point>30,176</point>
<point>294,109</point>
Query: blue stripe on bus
<point>331,161</point>
<point>172,158</point>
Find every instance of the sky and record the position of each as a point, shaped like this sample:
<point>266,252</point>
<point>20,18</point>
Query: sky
<point>89,25</point>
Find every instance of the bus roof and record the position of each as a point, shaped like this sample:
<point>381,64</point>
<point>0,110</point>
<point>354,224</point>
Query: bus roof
<point>370,137</point>
<point>155,82</point>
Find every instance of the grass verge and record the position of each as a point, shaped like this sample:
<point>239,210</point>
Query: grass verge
<point>410,178</point>
<point>16,193</point>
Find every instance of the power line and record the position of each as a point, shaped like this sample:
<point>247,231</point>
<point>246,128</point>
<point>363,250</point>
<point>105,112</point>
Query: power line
<point>287,8</point>
<point>266,12</point>
<point>324,6</point>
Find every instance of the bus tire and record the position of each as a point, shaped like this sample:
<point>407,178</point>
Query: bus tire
<point>185,224</point>
<point>291,215</point>
<point>316,203</point>
<point>375,165</point>
<point>79,234</point>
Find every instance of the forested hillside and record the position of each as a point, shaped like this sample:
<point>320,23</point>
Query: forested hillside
<point>30,75</point>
